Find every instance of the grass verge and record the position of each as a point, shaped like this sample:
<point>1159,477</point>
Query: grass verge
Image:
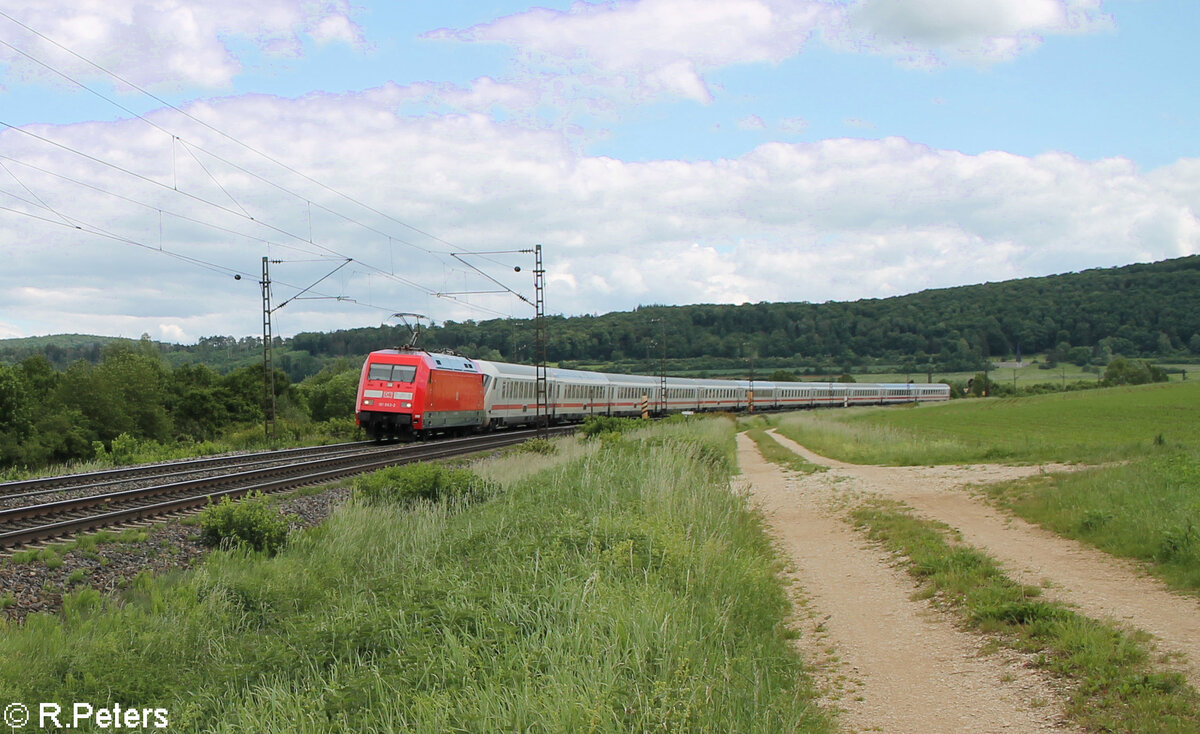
<point>775,453</point>
<point>1113,685</point>
<point>623,589</point>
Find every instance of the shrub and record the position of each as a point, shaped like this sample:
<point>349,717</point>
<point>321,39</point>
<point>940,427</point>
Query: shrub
<point>1122,371</point>
<point>596,425</point>
<point>126,449</point>
<point>536,446</point>
<point>250,523</point>
<point>404,485</point>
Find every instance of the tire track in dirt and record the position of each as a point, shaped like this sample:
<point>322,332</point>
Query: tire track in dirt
<point>1091,581</point>
<point>912,671</point>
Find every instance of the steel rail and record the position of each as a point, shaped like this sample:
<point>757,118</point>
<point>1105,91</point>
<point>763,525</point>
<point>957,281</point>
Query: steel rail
<point>70,481</point>
<point>304,473</point>
<point>344,450</point>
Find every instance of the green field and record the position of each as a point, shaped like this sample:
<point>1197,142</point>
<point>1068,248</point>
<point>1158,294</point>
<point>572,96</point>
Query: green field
<point>1089,426</point>
<point>1141,500</point>
<point>609,585</point>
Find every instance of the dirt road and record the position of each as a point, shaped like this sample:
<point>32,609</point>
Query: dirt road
<point>1089,580</point>
<point>894,664</point>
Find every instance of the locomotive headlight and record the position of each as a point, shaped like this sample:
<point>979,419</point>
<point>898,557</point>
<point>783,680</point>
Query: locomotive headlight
<point>406,405</point>
<point>367,402</point>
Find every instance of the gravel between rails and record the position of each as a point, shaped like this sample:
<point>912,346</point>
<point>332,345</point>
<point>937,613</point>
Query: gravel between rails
<point>170,546</point>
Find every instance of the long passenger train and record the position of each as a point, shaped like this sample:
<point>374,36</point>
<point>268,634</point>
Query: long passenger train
<point>411,393</point>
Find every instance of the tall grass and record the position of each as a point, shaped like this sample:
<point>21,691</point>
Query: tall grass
<point>621,589</point>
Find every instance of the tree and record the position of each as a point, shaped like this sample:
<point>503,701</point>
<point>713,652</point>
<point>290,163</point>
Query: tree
<point>980,385</point>
<point>1123,371</point>
<point>331,392</point>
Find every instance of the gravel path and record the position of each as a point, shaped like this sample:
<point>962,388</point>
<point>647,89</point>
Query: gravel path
<point>1095,583</point>
<point>889,663</point>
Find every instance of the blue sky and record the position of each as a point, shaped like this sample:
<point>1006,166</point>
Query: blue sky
<point>663,151</point>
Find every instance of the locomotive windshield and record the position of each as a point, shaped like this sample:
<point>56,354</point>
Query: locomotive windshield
<point>392,372</point>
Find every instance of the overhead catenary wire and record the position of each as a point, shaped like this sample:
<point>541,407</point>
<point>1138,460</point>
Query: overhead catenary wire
<point>241,210</point>
<point>199,262</point>
<point>241,143</point>
<point>215,267</point>
<point>155,207</point>
<point>89,229</point>
<point>30,191</point>
<point>240,214</point>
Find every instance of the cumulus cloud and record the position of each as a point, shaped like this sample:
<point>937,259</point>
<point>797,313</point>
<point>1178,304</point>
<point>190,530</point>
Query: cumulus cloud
<point>634,50</point>
<point>166,43</point>
<point>926,32</point>
<point>647,48</point>
<point>834,219</point>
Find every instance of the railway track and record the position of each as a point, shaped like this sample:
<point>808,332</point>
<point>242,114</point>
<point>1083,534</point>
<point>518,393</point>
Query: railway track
<point>68,482</point>
<point>34,521</point>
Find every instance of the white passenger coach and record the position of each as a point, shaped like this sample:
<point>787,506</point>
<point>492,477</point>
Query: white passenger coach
<point>510,394</point>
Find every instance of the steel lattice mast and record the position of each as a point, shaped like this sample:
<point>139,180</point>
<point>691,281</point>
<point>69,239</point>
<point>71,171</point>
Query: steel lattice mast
<point>539,297</point>
<point>268,349</point>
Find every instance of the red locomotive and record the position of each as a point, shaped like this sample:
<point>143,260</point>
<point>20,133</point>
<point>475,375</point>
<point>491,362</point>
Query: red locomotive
<point>410,393</point>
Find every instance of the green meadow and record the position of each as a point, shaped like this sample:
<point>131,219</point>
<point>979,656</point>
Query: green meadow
<point>601,585</point>
<point>1137,497</point>
<point>1090,426</point>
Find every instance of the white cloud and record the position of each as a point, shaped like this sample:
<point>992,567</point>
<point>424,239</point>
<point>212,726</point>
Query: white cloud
<point>604,53</point>
<point>646,48</point>
<point>924,32</point>
<point>167,43</point>
<point>835,219</point>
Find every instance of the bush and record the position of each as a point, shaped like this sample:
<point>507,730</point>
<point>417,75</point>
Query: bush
<point>404,485</point>
<point>1122,371</point>
<point>126,449</point>
<point>537,446</point>
<point>596,425</point>
<point>249,523</point>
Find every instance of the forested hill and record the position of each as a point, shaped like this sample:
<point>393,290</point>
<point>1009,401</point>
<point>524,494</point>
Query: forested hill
<point>1136,311</point>
<point>1145,310</point>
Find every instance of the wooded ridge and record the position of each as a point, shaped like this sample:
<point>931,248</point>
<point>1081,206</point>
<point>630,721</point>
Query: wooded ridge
<point>1142,310</point>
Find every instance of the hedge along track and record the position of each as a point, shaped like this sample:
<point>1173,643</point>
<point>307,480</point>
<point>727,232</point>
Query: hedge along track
<point>32,523</point>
